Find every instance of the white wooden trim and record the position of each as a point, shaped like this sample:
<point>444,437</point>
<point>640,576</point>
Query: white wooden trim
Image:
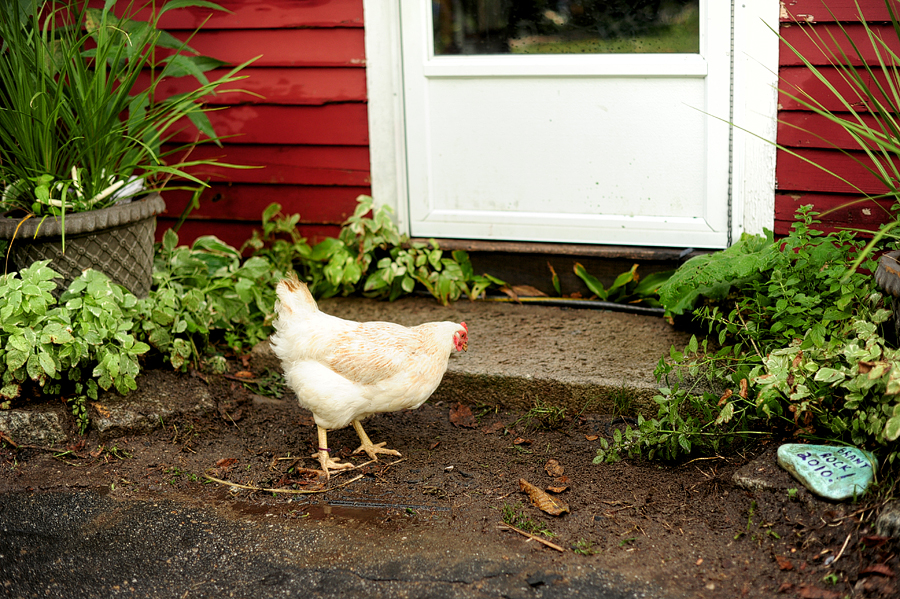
<point>755,114</point>
<point>755,109</point>
<point>715,43</point>
<point>384,85</point>
<point>567,65</point>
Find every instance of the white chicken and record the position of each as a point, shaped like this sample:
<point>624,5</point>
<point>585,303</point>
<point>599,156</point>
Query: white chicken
<point>343,371</point>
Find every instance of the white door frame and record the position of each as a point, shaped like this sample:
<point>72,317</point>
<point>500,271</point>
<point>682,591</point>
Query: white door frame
<point>754,112</point>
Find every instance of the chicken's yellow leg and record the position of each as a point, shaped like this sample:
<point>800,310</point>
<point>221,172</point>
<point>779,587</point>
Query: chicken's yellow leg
<point>370,448</point>
<point>324,458</point>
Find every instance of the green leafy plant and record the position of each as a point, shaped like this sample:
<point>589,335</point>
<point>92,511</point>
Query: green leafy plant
<point>584,547</point>
<point>713,275</point>
<point>205,289</point>
<point>83,343</point>
<point>627,288</point>
<point>541,415</point>
<point>795,350</point>
<point>369,256</point>
<point>610,453</point>
<point>513,515</point>
<point>79,128</point>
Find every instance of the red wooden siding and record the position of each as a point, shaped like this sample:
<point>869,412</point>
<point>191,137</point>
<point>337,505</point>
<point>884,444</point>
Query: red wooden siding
<point>810,27</point>
<point>307,133</point>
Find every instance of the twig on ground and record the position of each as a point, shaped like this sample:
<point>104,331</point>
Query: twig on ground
<point>504,526</point>
<point>841,552</point>
<point>289,491</point>
<point>386,466</point>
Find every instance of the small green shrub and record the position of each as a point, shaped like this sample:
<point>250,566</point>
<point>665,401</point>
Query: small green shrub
<point>797,351</point>
<point>205,289</point>
<point>627,288</point>
<point>369,257</point>
<point>71,347</point>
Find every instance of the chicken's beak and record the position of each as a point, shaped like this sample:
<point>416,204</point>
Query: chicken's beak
<point>465,346</point>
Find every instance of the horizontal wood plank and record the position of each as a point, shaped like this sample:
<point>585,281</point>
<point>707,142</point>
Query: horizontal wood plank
<point>809,130</point>
<point>266,14</point>
<point>290,165</point>
<point>827,44</point>
<point>315,205</point>
<point>820,11</point>
<point>852,210</point>
<point>234,233</point>
<point>282,47</point>
<point>836,212</point>
<point>834,85</point>
<point>289,86</point>
<point>838,174</point>
<point>331,124</point>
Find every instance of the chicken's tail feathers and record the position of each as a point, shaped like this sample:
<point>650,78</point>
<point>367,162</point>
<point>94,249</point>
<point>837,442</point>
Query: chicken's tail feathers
<point>294,296</point>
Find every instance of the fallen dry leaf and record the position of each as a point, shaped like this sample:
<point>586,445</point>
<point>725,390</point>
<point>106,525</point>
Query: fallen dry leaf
<point>881,569</point>
<point>873,541</point>
<point>553,468</point>
<point>591,437</point>
<point>728,393</point>
<point>226,463</point>
<point>784,563</point>
<point>559,489</point>
<point>306,420</point>
<point>521,441</point>
<point>244,374</point>
<point>434,445</point>
<point>461,415</point>
<point>544,502</point>
<point>101,409</point>
<point>813,592</point>
<point>528,291</point>
<point>492,428</point>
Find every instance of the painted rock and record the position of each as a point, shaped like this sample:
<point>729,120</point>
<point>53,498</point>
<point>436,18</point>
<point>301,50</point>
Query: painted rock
<point>836,473</point>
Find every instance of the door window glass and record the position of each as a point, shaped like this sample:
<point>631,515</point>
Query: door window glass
<point>565,26</point>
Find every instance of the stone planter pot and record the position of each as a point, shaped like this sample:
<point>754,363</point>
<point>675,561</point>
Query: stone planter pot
<point>887,275</point>
<point>117,241</point>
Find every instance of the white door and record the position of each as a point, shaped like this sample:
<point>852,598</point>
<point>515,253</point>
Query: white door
<point>581,142</point>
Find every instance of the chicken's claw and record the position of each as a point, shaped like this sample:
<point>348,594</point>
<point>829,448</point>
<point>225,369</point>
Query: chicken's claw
<point>328,464</point>
<point>372,449</point>
<point>324,457</point>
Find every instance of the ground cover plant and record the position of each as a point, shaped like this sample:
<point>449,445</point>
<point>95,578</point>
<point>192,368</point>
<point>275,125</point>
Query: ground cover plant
<point>207,300</point>
<point>794,350</point>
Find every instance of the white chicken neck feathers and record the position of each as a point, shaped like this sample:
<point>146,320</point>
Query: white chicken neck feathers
<point>343,370</point>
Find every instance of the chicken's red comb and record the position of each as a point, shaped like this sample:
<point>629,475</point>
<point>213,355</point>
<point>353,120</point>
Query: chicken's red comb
<point>464,326</point>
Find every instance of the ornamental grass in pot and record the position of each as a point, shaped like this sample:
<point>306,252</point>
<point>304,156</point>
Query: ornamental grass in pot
<point>83,133</point>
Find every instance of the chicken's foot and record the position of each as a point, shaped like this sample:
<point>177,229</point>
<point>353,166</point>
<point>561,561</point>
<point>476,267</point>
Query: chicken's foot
<point>324,458</point>
<point>373,449</point>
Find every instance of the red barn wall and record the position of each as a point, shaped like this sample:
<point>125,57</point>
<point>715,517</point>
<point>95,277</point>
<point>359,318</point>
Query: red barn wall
<point>308,131</point>
<point>808,26</point>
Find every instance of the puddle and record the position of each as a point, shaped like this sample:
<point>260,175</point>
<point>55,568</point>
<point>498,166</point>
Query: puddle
<point>365,511</point>
<point>360,514</point>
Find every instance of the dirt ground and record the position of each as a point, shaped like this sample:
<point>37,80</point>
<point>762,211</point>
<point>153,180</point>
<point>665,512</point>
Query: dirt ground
<point>686,527</point>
